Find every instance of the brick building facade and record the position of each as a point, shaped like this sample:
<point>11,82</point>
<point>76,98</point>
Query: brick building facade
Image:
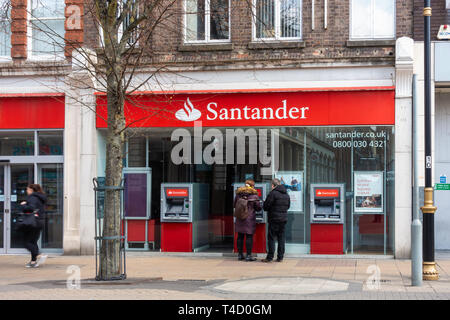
<point>330,44</point>
<point>440,16</point>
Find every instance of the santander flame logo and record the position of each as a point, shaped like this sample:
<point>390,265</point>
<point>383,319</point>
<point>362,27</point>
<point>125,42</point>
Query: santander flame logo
<point>188,113</point>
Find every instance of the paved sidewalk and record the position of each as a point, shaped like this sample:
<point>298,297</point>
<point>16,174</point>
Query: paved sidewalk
<point>191,277</point>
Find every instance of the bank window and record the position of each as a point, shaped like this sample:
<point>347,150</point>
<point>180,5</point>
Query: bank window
<point>5,29</point>
<point>16,143</point>
<point>207,20</point>
<point>277,19</point>
<point>50,143</point>
<point>372,19</point>
<point>46,28</point>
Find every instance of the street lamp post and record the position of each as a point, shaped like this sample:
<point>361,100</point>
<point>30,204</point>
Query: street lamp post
<point>429,265</point>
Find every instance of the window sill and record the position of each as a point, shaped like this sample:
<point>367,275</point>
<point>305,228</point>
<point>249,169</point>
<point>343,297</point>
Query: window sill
<point>370,43</point>
<point>5,60</point>
<point>276,45</point>
<point>194,47</point>
<point>46,58</point>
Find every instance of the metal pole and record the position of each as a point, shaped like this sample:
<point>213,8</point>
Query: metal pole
<point>416,227</point>
<point>429,265</point>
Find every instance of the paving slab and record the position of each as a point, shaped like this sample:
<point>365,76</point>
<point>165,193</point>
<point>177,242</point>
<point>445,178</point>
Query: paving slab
<point>208,277</point>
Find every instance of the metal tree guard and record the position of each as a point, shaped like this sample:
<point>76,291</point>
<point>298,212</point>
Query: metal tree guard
<point>100,239</point>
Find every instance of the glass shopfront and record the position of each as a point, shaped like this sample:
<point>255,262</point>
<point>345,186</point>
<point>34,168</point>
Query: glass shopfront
<point>31,156</point>
<point>348,155</point>
<point>342,137</point>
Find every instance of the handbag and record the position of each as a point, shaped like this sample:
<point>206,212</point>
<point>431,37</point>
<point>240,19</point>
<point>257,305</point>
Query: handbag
<point>28,220</point>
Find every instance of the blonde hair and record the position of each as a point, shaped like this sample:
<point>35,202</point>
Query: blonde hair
<point>250,183</point>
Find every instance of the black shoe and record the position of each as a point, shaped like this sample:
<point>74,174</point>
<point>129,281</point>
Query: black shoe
<point>250,258</point>
<point>266,260</point>
<point>280,260</point>
<point>241,257</point>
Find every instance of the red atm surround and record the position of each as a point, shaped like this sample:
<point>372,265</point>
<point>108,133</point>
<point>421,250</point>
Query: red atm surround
<point>184,223</point>
<point>327,238</point>
<point>260,236</point>
<point>176,237</point>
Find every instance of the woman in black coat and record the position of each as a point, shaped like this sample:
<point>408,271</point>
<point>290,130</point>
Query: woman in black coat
<point>246,228</point>
<point>34,204</point>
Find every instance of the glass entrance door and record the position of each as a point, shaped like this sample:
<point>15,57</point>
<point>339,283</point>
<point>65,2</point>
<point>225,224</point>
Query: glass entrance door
<point>14,180</point>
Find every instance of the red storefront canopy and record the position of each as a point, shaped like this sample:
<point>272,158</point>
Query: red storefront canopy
<point>37,111</point>
<point>340,107</point>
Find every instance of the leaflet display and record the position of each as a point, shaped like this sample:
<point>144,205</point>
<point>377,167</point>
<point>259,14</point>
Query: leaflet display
<point>293,182</point>
<point>369,195</point>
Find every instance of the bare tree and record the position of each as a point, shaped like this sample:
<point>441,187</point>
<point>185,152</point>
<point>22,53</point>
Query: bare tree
<point>114,65</point>
<point>125,29</point>
<point>120,59</point>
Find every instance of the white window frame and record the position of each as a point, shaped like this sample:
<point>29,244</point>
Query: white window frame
<point>277,24</point>
<point>120,31</point>
<point>39,57</point>
<point>7,58</point>
<point>207,25</point>
<point>372,37</point>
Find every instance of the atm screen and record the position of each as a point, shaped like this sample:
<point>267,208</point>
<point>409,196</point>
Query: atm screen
<point>324,206</point>
<point>175,206</point>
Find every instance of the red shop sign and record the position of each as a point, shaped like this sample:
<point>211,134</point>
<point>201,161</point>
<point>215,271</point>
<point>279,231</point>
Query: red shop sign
<point>177,192</point>
<point>325,193</point>
<point>32,112</point>
<point>258,109</point>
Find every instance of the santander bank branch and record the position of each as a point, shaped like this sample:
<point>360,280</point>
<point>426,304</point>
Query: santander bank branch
<point>187,153</point>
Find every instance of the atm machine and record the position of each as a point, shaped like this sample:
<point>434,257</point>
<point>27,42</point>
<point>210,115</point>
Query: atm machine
<point>184,217</point>
<point>259,238</point>
<point>327,218</point>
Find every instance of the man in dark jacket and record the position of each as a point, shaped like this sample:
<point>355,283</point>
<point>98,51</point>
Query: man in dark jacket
<point>277,204</point>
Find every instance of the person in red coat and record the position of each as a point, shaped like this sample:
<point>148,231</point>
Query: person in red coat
<point>246,227</point>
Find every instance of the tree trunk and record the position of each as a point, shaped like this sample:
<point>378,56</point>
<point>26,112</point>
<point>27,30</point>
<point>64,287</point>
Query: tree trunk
<point>110,250</point>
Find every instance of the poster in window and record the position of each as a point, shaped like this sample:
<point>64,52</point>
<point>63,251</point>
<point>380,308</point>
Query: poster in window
<point>369,195</point>
<point>293,182</point>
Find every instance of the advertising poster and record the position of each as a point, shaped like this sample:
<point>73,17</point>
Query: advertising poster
<point>293,182</point>
<point>369,195</point>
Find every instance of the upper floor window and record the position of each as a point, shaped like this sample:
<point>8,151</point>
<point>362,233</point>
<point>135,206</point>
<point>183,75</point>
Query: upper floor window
<point>447,4</point>
<point>207,20</point>
<point>5,29</point>
<point>372,19</point>
<point>130,9</point>
<point>277,19</point>
<point>47,28</point>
